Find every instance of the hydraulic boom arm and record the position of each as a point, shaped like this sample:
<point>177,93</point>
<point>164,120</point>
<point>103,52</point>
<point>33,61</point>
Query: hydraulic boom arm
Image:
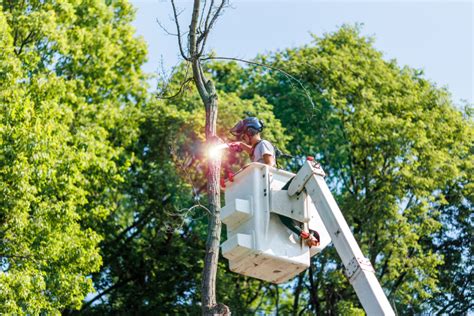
<point>358,269</point>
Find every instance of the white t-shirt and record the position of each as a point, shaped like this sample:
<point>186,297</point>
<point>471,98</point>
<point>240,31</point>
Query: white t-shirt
<point>264,147</point>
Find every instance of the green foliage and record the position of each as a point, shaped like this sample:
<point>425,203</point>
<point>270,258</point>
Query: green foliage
<point>154,246</point>
<point>390,141</point>
<point>347,308</point>
<point>102,185</point>
<point>70,80</point>
<point>453,240</point>
<point>152,249</point>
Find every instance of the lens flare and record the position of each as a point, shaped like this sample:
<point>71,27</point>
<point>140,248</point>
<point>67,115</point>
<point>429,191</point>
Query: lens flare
<point>215,152</point>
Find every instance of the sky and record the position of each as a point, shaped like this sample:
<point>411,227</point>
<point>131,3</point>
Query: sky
<point>435,36</point>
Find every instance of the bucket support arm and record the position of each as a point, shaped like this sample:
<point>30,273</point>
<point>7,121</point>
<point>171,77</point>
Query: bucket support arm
<point>358,269</point>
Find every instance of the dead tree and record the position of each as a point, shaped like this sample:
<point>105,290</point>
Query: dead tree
<point>204,16</point>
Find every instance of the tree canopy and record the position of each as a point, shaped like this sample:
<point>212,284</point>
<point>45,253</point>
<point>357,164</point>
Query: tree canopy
<point>103,179</point>
<point>70,85</point>
<point>391,142</point>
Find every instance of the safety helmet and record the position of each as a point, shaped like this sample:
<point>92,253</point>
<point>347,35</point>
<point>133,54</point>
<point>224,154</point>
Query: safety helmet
<point>249,124</point>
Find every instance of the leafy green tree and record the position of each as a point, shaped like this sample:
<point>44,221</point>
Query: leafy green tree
<point>391,143</point>
<point>395,149</point>
<point>377,129</point>
<point>454,240</point>
<point>70,84</point>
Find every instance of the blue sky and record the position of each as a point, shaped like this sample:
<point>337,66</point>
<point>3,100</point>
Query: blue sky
<point>436,36</point>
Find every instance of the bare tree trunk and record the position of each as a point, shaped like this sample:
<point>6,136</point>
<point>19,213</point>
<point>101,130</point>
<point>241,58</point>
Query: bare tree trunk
<point>208,289</point>
<point>199,29</point>
<point>208,95</point>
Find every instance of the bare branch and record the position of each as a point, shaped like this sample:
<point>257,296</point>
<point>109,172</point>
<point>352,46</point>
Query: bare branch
<point>208,15</point>
<point>29,38</point>
<point>164,28</point>
<point>192,30</point>
<point>184,213</point>
<point>270,67</point>
<point>167,80</point>
<point>181,89</point>
<point>182,216</point>
<point>409,203</point>
<point>199,78</point>
<point>398,282</point>
<point>202,14</point>
<point>217,13</point>
<point>208,27</point>
<point>175,13</point>
<point>344,180</point>
<point>385,265</point>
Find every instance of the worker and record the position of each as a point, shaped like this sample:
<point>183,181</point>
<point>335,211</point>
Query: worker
<point>247,132</point>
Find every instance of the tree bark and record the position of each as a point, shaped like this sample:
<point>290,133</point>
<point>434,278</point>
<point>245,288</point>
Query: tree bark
<point>208,95</point>
<point>207,92</point>
<point>214,225</point>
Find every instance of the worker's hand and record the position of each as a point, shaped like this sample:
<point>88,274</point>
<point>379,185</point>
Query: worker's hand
<point>312,241</point>
<point>235,146</point>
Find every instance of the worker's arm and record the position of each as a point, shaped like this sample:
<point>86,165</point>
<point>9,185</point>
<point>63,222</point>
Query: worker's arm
<point>269,160</point>
<point>241,145</point>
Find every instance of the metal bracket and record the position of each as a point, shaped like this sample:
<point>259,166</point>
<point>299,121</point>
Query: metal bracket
<point>357,264</point>
<point>292,207</point>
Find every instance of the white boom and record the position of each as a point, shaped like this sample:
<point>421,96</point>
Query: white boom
<point>259,207</point>
<point>358,269</point>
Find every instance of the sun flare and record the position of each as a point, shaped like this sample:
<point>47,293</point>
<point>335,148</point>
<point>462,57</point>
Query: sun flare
<point>215,152</point>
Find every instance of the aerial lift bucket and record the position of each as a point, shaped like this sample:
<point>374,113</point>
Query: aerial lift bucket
<point>258,243</point>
